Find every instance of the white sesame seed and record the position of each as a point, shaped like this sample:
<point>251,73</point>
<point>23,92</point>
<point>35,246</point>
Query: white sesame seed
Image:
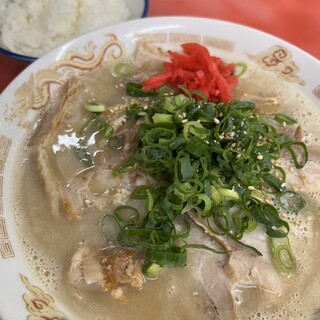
<point>283,185</point>
<point>238,155</point>
<point>260,157</point>
<point>215,120</point>
<point>184,120</point>
<point>250,187</point>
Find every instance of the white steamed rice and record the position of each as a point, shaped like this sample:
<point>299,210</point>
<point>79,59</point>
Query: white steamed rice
<point>33,27</point>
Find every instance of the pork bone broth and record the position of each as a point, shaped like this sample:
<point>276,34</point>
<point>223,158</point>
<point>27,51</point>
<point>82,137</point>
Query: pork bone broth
<point>62,231</point>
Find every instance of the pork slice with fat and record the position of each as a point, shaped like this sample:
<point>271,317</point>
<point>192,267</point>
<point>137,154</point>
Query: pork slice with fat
<point>223,275</point>
<point>50,160</point>
<point>112,268</point>
<point>72,187</point>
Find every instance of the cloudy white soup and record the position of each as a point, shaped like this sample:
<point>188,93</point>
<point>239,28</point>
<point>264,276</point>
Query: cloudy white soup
<point>176,186</point>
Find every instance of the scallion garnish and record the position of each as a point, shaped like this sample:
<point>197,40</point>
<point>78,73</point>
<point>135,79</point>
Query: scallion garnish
<point>283,255</point>
<point>123,69</point>
<point>282,118</point>
<point>214,159</point>
<point>135,90</point>
<point>95,107</point>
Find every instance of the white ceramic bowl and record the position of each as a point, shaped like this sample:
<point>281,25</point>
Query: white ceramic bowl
<point>22,295</point>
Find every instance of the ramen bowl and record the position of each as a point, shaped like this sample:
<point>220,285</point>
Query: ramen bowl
<point>32,276</point>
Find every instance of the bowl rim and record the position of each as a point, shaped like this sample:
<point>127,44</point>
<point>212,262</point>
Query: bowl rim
<point>26,58</point>
<point>9,93</point>
<point>17,56</point>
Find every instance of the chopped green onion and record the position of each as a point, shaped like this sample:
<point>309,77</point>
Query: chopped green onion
<point>134,112</point>
<point>244,222</point>
<point>296,147</point>
<point>180,100</point>
<point>183,168</point>
<point>282,118</point>
<point>268,215</point>
<point>273,181</point>
<point>195,128</point>
<point>199,94</point>
<point>156,153</point>
<point>228,194</point>
<point>130,166</point>
<point>204,247</point>
<point>135,90</point>
<point>95,107</point>
<point>109,227</point>
<point>140,192</point>
<point>241,68</point>
<point>201,203</point>
<point>162,117</point>
<point>123,69</point>
<point>283,255</point>
<point>151,270</point>
<point>216,195</point>
<point>151,239</point>
<point>126,214</point>
<point>212,158</point>
<point>256,251</point>
<point>257,195</point>
<point>174,257</point>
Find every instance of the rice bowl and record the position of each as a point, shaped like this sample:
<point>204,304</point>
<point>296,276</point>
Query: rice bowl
<point>30,29</point>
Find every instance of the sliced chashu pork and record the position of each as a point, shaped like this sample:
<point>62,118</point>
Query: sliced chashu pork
<point>208,270</point>
<point>66,180</point>
<point>73,188</point>
<point>222,276</point>
<point>111,268</point>
<point>55,181</point>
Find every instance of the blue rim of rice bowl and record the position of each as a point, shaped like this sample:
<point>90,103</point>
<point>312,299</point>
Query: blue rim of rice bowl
<point>31,59</point>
